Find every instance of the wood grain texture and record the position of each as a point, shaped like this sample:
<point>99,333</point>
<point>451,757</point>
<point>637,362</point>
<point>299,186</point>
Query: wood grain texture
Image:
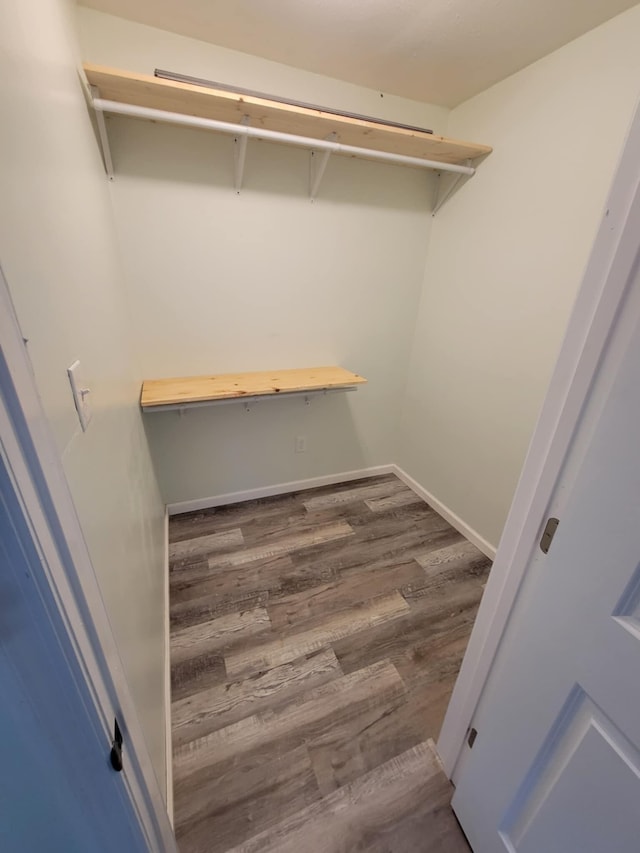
<point>402,498</point>
<point>311,712</point>
<point>204,608</point>
<point>144,90</point>
<point>360,492</point>
<point>414,632</point>
<point>343,593</point>
<point>194,550</point>
<point>210,710</point>
<point>196,673</point>
<point>343,624</point>
<point>200,579</point>
<point>355,744</point>
<point>295,542</point>
<point>320,648</point>
<point>399,807</point>
<point>211,636</point>
<point>227,386</point>
<point>462,556</point>
<point>221,808</point>
<point>260,512</point>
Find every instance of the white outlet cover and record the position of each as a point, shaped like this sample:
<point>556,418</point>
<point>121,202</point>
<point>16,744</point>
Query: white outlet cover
<point>81,396</point>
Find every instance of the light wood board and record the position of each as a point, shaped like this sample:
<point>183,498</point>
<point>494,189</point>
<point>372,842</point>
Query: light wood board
<point>402,805</point>
<point>226,386</point>
<point>146,91</point>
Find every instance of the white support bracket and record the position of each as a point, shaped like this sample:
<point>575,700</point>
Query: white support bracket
<point>102,133</point>
<point>239,155</point>
<point>335,147</point>
<point>317,165</point>
<point>249,402</point>
<point>446,186</point>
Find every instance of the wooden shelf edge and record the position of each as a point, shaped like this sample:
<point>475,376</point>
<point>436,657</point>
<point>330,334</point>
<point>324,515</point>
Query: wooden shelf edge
<point>144,90</point>
<point>181,392</point>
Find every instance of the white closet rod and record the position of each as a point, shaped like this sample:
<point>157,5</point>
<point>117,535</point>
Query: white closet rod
<point>276,136</point>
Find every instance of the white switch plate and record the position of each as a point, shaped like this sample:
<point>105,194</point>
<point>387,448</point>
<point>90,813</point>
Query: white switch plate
<point>301,444</point>
<point>80,395</point>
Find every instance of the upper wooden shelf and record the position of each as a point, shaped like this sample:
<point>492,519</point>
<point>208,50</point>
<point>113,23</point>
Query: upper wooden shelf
<point>179,393</point>
<point>143,90</point>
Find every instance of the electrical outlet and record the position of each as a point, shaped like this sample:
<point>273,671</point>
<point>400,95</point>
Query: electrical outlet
<point>80,395</point>
<point>301,444</point>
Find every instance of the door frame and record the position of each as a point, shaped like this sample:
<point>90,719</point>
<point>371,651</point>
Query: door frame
<point>65,581</point>
<point>589,329</point>
<point>71,590</point>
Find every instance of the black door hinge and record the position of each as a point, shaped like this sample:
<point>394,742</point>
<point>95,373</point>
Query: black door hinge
<point>549,532</point>
<point>115,755</point>
<point>471,739</point>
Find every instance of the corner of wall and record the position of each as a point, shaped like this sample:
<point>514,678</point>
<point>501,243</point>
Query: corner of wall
<point>501,274</point>
<point>167,674</point>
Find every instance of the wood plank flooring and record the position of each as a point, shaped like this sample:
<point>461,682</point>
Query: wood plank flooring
<point>315,641</point>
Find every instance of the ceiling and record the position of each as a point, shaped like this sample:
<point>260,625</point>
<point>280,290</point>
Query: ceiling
<point>438,51</point>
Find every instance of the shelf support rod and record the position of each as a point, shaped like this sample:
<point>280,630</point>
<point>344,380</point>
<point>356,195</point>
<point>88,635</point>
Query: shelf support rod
<point>317,165</point>
<point>239,155</point>
<point>277,136</point>
<point>102,133</point>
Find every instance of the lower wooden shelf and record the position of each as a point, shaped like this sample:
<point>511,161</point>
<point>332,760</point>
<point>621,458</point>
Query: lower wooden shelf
<point>165,394</point>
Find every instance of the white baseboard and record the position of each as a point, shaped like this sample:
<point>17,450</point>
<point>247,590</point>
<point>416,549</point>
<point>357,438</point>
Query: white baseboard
<point>454,520</point>
<point>278,489</point>
<point>167,673</point>
<point>330,480</point>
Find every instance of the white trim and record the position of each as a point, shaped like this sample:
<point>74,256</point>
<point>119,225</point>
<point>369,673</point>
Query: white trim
<point>454,520</point>
<point>594,313</point>
<point>70,588</point>
<point>278,489</point>
<point>167,673</point>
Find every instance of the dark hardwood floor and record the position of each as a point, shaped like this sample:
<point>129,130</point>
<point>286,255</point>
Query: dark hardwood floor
<point>315,641</point>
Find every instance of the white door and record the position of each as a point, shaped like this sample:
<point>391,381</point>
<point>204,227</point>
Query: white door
<point>555,765</point>
<point>61,680</point>
<point>57,789</point>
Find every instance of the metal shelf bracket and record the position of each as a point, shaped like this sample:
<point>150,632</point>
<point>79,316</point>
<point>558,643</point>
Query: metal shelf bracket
<point>240,130</point>
<point>239,155</point>
<point>249,402</point>
<point>317,165</point>
<point>447,184</point>
<point>102,133</point>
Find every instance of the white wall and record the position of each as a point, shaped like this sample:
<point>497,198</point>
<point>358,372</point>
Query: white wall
<point>505,260</point>
<point>263,280</point>
<point>58,252</point>
<point>220,282</point>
